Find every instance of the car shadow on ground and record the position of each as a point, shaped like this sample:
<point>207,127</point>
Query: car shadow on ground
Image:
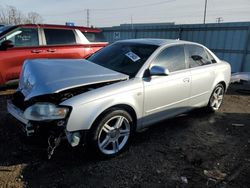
<point>180,147</point>
<point>172,153</point>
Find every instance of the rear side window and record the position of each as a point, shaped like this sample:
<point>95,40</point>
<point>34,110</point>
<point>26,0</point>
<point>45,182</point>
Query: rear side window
<point>94,37</point>
<point>23,37</point>
<point>197,56</point>
<point>172,58</point>
<point>59,36</point>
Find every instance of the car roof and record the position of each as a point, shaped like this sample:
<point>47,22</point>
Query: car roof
<point>53,26</point>
<point>157,42</point>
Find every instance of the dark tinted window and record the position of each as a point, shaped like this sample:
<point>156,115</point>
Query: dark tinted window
<point>23,37</point>
<point>5,28</point>
<point>59,36</point>
<point>172,58</point>
<point>126,58</point>
<point>197,56</point>
<point>94,37</point>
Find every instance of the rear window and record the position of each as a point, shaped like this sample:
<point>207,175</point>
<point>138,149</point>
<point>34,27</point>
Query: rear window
<point>59,36</point>
<point>197,56</point>
<point>94,37</point>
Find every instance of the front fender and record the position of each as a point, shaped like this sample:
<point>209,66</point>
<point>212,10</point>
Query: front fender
<point>84,113</point>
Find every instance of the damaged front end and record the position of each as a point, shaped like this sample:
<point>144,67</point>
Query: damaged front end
<point>44,112</point>
<point>37,101</point>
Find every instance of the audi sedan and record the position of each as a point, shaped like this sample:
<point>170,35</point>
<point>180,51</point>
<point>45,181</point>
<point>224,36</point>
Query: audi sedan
<point>122,88</point>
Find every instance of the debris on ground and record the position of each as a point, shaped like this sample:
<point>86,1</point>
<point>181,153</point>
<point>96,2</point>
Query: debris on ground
<point>184,179</point>
<point>238,124</point>
<point>215,174</point>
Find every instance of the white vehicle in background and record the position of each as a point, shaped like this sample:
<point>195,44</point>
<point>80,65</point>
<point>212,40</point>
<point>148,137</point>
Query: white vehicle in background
<point>122,88</point>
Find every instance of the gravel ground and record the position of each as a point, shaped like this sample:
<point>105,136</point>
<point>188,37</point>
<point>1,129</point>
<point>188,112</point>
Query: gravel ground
<point>193,150</point>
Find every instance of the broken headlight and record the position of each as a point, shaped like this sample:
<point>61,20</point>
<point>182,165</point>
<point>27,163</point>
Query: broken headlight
<point>45,111</point>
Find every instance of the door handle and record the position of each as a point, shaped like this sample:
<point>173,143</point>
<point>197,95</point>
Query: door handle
<point>36,51</point>
<point>51,50</point>
<point>186,80</point>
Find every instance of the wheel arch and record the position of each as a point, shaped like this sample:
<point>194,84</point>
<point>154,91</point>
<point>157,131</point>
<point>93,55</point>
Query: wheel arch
<point>223,84</point>
<point>125,107</point>
<point>214,86</point>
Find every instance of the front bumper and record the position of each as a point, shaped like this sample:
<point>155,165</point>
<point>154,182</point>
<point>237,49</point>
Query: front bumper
<point>72,137</point>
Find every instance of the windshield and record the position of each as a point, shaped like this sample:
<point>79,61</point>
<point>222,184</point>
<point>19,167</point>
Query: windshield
<point>125,58</point>
<point>5,29</point>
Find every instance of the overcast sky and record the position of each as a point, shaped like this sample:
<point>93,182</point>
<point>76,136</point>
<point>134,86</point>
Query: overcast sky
<point>115,12</point>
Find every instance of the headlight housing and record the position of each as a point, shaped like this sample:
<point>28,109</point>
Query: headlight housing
<point>45,111</point>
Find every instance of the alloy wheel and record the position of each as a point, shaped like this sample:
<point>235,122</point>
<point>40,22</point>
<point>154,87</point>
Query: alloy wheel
<point>114,135</point>
<point>216,98</point>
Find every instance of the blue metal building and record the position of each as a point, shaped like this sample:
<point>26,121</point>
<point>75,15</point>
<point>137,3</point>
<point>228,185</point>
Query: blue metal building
<point>229,41</point>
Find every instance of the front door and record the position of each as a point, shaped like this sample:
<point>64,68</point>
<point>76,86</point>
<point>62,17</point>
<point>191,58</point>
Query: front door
<point>166,96</point>
<point>26,46</point>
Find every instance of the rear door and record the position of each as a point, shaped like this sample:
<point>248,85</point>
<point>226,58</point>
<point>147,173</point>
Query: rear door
<point>61,43</point>
<point>166,96</point>
<point>26,46</point>
<point>201,66</point>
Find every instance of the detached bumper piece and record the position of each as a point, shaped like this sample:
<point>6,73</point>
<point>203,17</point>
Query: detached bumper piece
<point>18,114</point>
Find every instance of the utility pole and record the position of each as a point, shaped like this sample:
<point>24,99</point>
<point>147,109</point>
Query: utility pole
<point>205,12</point>
<point>87,17</point>
<point>219,19</point>
<point>132,25</point>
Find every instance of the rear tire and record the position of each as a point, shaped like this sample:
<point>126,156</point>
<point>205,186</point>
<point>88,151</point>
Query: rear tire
<point>216,98</point>
<point>111,133</point>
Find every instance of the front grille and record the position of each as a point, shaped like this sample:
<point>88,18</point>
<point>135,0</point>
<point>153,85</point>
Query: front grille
<point>18,100</point>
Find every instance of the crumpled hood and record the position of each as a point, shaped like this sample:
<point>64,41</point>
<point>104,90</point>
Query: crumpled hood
<point>46,76</point>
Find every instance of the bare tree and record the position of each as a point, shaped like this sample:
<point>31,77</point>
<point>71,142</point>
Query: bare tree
<point>11,15</point>
<point>34,18</point>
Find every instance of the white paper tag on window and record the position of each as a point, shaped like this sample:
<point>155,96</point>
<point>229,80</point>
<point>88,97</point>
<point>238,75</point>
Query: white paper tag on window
<point>133,56</point>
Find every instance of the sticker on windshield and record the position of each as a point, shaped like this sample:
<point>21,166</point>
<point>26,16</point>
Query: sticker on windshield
<point>133,56</point>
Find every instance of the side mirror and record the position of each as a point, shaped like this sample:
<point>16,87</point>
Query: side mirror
<point>158,71</point>
<point>6,44</point>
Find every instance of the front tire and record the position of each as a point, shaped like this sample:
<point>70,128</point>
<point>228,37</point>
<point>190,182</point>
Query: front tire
<point>216,98</point>
<point>111,133</point>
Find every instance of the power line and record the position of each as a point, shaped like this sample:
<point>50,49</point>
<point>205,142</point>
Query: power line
<point>125,8</point>
<point>114,9</point>
<point>132,7</point>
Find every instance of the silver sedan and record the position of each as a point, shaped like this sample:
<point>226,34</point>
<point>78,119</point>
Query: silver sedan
<point>123,88</point>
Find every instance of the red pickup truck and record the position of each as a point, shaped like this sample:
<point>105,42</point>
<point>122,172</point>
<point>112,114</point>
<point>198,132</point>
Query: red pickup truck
<point>31,41</point>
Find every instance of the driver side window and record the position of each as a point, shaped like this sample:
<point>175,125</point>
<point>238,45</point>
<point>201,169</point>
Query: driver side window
<point>23,37</point>
<point>172,58</point>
